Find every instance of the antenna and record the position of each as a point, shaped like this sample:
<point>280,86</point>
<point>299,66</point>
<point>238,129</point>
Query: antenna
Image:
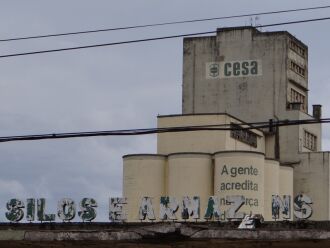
<point>257,23</point>
<point>251,21</point>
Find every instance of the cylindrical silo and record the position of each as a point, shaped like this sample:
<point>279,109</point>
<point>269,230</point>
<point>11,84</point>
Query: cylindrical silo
<point>190,174</point>
<point>271,186</point>
<point>286,184</point>
<point>143,175</point>
<point>240,173</point>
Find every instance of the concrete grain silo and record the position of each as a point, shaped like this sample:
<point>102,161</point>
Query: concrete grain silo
<point>240,173</point>
<point>272,172</point>
<point>286,182</point>
<point>143,175</point>
<point>190,174</point>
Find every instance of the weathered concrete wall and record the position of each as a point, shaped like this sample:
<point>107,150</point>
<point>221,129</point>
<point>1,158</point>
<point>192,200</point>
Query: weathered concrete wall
<point>289,234</point>
<point>199,141</point>
<point>271,185</point>
<point>202,141</point>
<point>252,98</point>
<point>291,138</point>
<point>286,183</point>
<point>301,61</point>
<point>311,177</point>
<point>314,129</point>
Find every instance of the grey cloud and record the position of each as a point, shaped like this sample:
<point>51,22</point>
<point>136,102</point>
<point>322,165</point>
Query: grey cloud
<point>118,87</point>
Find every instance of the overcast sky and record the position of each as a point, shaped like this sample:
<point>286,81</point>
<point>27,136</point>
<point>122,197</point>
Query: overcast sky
<point>118,87</point>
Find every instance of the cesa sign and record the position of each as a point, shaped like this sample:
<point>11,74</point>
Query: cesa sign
<point>229,69</point>
<point>169,209</point>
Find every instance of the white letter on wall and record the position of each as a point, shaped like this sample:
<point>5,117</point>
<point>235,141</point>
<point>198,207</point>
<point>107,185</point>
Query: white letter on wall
<point>190,207</point>
<point>281,206</point>
<point>168,207</point>
<point>116,213</point>
<point>146,210</point>
<point>301,206</point>
<point>236,202</point>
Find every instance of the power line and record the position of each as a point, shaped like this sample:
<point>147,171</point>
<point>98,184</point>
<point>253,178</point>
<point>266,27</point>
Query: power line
<point>150,39</point>
<point>105,44</point>
<point>220,127</point>
<point>160,24</point>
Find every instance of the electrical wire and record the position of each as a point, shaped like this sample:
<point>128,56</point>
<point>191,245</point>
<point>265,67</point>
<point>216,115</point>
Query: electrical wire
<point>162,24</point>
<point>105,44</point>
<point>271,124</point>
<point>150,39</point>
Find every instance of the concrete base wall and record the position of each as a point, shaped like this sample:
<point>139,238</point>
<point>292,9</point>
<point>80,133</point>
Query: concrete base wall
<point>169,234</point>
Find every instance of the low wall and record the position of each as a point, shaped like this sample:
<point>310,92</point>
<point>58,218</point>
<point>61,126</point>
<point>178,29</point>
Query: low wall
<point>168,234</point>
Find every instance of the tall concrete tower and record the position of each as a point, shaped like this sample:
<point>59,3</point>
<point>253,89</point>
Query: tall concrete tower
<point>256,76</point>
<point>242,71</point>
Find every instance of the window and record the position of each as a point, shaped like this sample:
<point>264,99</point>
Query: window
<point>310,140</point>
<point>297,69</point>
<point>298,49</point>
<point>297,99</point>
<point>245,136</point>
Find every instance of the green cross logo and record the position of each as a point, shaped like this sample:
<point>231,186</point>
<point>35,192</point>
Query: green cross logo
<point>214,70</point>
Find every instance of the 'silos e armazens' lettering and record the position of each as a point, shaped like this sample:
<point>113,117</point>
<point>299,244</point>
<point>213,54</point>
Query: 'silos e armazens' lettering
<point>169,208</point>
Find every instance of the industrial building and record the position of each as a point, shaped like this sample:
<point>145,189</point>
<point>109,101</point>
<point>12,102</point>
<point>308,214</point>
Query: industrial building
<point>237,77</point>
<point>230,81</point>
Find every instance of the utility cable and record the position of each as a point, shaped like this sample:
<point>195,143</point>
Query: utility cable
<point>162,24</point>
<point>216,127</point>
<point>150,39</point>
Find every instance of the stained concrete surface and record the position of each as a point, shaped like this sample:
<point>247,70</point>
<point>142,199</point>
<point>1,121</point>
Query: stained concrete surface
<point>167,234</point>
